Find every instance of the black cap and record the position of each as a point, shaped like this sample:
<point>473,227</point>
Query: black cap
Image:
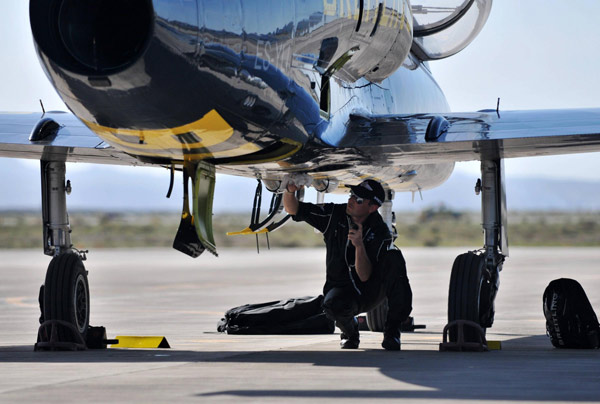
<point>369,189</point>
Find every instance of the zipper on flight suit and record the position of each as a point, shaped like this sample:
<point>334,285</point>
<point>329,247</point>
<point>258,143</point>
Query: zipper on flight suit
<point>346,258</point>
<point>350,269</point>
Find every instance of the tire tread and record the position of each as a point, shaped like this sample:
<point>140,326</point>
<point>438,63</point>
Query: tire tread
<point>59,290</point>
<point>464,291</point>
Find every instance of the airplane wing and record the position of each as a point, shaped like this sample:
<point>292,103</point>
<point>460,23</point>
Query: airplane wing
<point>29,135</point>
<point>405,139</point>
<point>488,134</point>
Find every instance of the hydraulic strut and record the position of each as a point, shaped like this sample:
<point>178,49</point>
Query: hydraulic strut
<point>493,212</point>
<point>57,230</point>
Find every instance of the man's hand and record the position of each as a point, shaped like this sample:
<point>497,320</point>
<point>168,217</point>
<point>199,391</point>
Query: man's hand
<point>294,182</point>
<point>355,235</point>
<point>361,261</point>
<point>290,202</point>
<point>291,187</point>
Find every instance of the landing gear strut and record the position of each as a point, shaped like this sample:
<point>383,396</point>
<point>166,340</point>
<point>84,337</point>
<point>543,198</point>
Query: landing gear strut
<point>65,294</point>
<point>476,274</point>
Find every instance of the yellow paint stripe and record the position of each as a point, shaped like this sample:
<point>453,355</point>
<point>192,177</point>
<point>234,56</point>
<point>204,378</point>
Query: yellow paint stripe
<point>163,143</point>
<point>329,7</point>
<point>140,342</point>
<point>384,22</point>
<point>246,231</point>
<point>211,129</point>
<point>406,10</point>
<point>211,126</point>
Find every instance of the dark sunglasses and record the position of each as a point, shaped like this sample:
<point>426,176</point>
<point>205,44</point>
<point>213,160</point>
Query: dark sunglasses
<point>358,199</point>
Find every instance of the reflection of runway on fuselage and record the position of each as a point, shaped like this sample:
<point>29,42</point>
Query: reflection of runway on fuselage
<point>161,292</point>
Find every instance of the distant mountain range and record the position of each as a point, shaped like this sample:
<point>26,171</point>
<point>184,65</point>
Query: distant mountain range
<point>110,188</point>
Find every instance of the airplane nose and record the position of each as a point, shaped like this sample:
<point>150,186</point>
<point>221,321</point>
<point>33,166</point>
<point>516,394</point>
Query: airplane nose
<point>92,37</point>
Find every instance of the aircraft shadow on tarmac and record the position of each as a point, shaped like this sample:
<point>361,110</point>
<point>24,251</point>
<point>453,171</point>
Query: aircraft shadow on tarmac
<point>527,370</point>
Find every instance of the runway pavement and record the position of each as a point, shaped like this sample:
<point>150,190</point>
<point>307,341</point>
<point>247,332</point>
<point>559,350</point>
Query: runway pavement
<point>162,292</point>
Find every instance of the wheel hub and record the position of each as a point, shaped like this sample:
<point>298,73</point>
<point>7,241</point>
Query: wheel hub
<point>81,301</point>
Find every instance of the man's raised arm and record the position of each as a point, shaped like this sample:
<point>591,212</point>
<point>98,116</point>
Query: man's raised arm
<point>290,202</point>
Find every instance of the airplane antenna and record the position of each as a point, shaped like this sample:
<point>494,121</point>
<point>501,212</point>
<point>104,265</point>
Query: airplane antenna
<point>498,107</point>
<point>43,109</point>
<point>420,194</point>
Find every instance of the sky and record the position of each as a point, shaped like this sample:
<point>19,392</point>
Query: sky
<point>533,54</point>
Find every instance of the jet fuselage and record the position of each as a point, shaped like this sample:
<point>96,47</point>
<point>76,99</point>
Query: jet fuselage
<point>251,86</point>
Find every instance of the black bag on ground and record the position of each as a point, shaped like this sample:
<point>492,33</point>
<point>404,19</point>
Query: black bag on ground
<point>570,318</point>
<point>302,315</point>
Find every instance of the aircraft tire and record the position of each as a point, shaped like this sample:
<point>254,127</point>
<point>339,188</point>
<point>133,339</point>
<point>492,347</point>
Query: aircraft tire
<point>464,295</point>
<point>376,317</point>
<point>67,294</point>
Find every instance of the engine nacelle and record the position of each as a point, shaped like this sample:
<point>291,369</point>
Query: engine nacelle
<point>92,38</point>
<point>381,40</point>
<point>349,39</point>
<point>212,79</point>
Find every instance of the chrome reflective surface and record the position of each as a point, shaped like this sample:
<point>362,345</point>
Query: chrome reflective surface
<point>264,66</point>
<point>256,87</point>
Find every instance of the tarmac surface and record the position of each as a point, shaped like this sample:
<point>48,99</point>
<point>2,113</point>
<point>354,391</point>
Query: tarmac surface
<point>162,292</point>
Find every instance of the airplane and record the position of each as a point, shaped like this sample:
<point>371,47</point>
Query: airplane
<point>327,91</point>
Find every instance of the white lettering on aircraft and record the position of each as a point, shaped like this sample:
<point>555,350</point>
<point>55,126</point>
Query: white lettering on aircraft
<point>270,53</point>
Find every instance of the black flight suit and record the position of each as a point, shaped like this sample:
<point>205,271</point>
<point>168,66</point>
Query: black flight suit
<point>345,294</point>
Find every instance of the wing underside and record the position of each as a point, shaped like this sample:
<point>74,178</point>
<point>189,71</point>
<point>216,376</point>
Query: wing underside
<point>69,140</point>
<point>424,138</point>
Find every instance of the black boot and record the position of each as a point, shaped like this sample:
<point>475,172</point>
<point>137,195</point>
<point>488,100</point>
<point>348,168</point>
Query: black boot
<point>391,339</point>
<point>350,337</point>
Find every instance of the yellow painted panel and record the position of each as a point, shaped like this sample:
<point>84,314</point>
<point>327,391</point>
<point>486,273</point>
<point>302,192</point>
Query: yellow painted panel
<point>330,7</point>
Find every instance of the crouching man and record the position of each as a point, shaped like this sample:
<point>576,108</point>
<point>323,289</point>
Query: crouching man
<point>363,268</point>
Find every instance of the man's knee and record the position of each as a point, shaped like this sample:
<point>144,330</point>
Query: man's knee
<point>339,304</point>
<point>399,298</point>
<point>393,266</point>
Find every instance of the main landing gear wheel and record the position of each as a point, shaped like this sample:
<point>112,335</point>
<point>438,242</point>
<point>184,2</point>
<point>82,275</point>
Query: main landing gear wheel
<point>376,317</point>
<point>469,294</point>
<point>67,294</point>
